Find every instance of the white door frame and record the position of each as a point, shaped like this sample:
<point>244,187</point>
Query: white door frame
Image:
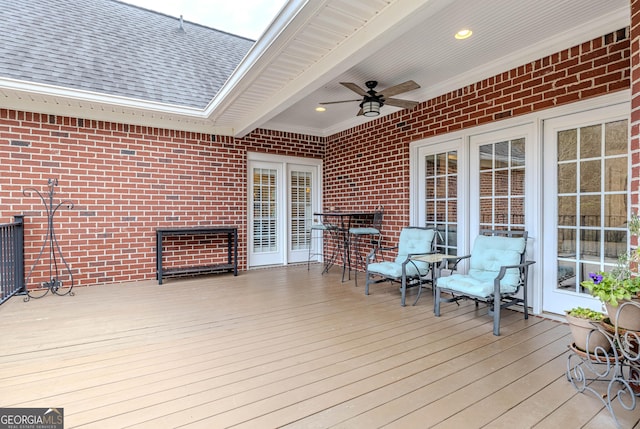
<point>557,300</point>
<point>281,163</point>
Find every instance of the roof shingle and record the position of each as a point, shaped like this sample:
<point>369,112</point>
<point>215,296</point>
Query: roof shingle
<point>115,48</point>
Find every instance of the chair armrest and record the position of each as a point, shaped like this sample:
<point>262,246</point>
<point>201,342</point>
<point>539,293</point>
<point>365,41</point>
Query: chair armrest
<point>504,268</point>
<point>457,260</point>
<point>410,257</point>
<point>375,250</point>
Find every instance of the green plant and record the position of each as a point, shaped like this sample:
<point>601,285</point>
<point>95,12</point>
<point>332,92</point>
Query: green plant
<point>623,281</point>
<point>586,313</point>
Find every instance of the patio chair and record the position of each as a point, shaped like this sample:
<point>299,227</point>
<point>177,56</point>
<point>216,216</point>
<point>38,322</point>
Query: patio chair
<point>497,273</point>
<point>413,241</point>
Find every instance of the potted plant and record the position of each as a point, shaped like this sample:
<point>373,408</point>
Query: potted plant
<point>581,323</point>
<point>620,284</point>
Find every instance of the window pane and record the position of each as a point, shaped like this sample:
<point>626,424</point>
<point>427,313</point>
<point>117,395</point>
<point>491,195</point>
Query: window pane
<point>517,211</point>
<point>615,210</point>
<point>501,211</point>
<point>441,163</point>
<point>567,211</point>
<point>452,211</point>
<point>517,181</point>
<point>590,244</point>
<point>567,145</point>
<point>590,141</point>
<point>441,198</point>
<point>430,186</point>
<point>486,184</point>
<point>590,176</point>
<point>615,138</point>
<point>501,152</point>
<point>430,166</point>
<point>615,243</point>
<point>566,242</point>
<point>517,153</point>
<point>567,178</point>
<point>615,174</point>
<point>441,187</point>
<point>590,210</point>
<point>452,189</point>
<point>486,157</point>
<point>486,210</point>
<point>501,182</point>
<point>453,162</point>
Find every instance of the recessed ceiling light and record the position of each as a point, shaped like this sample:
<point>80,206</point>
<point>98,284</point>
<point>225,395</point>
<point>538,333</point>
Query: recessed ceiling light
<point>463,34</point>
<point>321,109</point>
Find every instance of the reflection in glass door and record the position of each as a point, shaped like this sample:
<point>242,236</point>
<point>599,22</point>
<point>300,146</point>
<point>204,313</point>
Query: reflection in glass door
<point>441,198</point>
<point>590,184</point>
<point>501,185</point>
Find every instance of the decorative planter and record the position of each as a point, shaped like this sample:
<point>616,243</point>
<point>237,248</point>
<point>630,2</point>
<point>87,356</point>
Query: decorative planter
<point>582,329</point>
<point>627,318</point>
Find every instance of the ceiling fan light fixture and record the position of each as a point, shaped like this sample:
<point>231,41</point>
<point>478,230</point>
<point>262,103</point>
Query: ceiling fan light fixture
<point>370,106</point>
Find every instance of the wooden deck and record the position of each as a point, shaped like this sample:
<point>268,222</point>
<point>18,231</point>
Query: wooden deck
<point>285,347</point>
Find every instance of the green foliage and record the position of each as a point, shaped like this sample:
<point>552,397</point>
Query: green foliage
<point>622,282</point>
<point>586,313</point>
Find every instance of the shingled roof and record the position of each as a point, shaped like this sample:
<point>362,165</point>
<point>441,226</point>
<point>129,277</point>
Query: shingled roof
<point>114,48</point>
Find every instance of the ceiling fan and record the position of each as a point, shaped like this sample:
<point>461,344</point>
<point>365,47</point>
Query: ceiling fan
<point>372,100</point>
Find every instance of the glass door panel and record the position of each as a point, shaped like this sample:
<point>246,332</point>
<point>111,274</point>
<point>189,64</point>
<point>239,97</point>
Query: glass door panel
<point>265,214</point>
<point>588,182</point>
<point>441,198</point>
<point>303,197</point>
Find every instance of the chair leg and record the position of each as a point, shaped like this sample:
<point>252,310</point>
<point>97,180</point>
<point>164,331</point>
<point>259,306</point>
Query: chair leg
<point>356,244</point>
<point>496,315</point>
<point>403,287</point>
<point>366,282</point>
<point>310,246</point>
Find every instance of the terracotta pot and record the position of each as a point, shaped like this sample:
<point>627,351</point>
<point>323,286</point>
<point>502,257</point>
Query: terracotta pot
<point>581,329</point>
<point>628,317</point>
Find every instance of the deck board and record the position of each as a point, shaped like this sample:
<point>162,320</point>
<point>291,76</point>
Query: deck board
<point>285,347</point>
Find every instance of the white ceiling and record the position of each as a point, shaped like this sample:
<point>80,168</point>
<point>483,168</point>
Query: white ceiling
<point>312,46</point>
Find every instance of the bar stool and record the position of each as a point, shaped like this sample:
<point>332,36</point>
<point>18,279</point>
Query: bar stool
<point>374,234</point>
<point>321,232</point>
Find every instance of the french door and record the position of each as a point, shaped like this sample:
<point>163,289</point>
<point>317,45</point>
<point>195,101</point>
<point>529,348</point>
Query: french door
<point>283,194</point>
<point>586,182</point>
<point>441,175</point>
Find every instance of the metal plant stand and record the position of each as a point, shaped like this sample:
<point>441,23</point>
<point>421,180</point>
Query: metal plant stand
<point>609,375</point>
<point>57,263</point>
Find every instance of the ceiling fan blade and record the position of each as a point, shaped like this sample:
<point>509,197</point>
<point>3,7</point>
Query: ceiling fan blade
<point>360,112</point>
<point>355,88</point>
<point>342,101</point>
<point>400,88</point>
<point>405,104</point>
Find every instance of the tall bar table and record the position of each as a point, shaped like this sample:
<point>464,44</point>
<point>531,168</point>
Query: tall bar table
<point>344,221</point>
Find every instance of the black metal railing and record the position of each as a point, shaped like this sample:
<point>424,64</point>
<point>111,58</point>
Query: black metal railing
<point>11,258</point>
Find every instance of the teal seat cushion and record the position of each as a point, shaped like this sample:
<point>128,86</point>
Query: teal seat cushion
<point>487,256</point>
<point>364,231</point>
<point>412,241</point>
<point>394,270</point>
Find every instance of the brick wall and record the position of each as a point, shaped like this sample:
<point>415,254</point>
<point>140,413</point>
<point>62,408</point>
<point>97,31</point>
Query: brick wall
<point>371,161</point>
<point>125,181</point>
